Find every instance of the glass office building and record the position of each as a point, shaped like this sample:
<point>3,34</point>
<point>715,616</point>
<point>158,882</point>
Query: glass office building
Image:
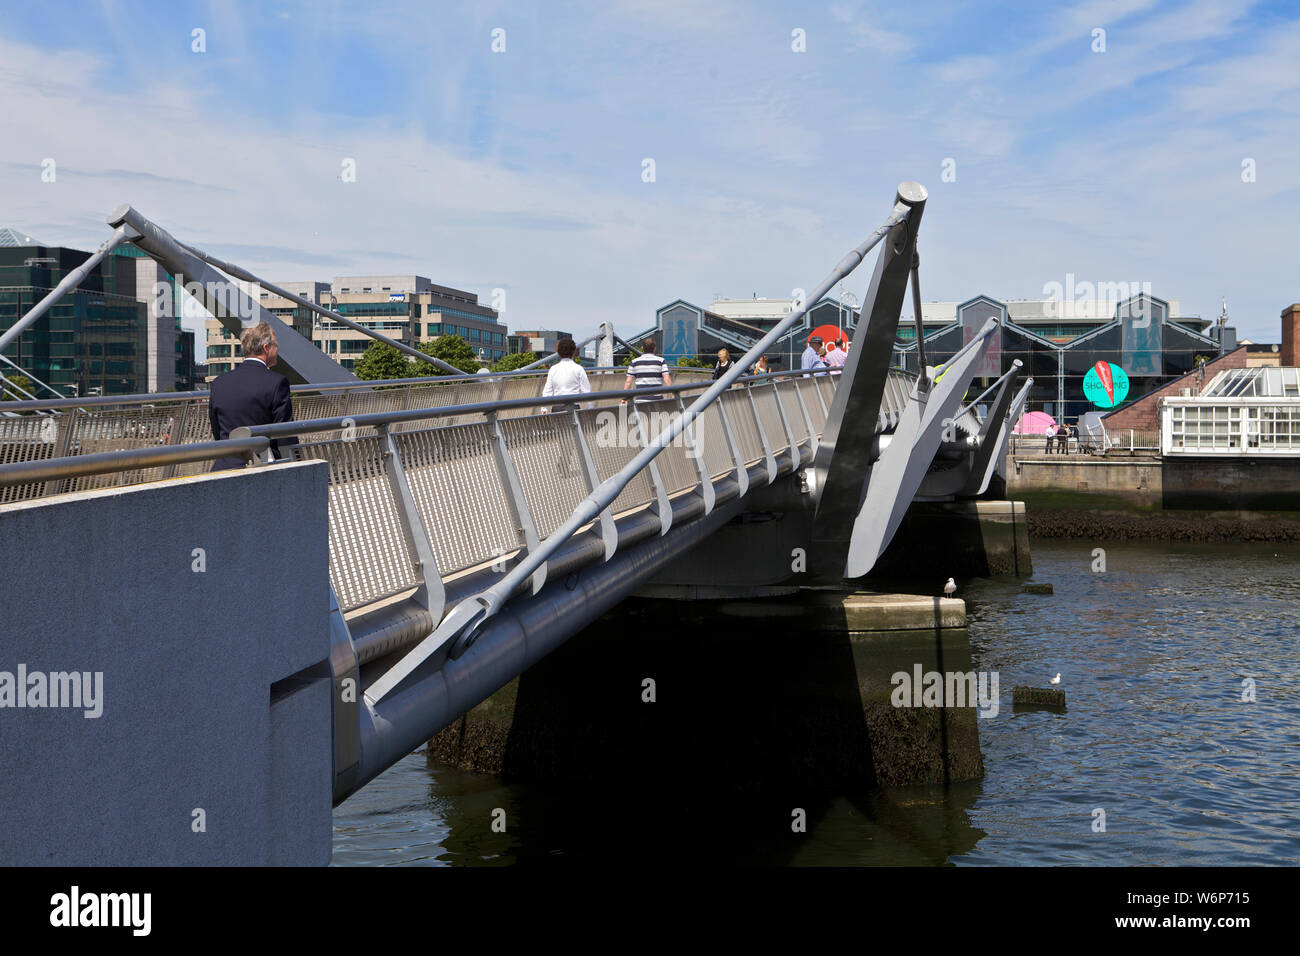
<point>93,341</point>
<point>1140,336</point>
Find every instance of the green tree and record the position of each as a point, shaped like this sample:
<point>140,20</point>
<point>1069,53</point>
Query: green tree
<point>381,360</point>
<point>515,360</point>
<point>685,361</point>
<point>453,350</point>
<point>9,389</point>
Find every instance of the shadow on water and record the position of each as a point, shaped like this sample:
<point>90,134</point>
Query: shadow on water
<point>757,724</point>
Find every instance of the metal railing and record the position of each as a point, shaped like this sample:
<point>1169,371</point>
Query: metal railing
<point>471,482</point>
<point>65,427</point>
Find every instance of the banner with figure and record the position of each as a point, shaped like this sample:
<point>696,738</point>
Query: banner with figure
<point>1141,319</point>
<point>972,315</point>
<point>681,333</point>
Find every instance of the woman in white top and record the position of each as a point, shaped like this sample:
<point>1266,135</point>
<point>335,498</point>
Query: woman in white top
<point>566,376</point>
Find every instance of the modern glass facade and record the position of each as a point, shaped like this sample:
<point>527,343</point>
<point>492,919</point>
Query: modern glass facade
<point>93,341</point>
<point>1140,338</point>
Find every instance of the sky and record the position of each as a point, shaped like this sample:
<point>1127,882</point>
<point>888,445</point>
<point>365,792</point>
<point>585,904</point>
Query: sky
<point>1109,140</point>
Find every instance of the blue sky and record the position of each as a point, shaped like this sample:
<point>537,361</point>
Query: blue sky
<point>522,169</point>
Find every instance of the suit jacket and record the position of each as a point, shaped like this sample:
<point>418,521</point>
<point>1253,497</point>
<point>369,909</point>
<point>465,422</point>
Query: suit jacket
<point>249,394</point>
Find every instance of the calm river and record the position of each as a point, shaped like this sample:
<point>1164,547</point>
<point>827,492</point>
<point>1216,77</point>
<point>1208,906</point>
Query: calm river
<point>1155,654</point>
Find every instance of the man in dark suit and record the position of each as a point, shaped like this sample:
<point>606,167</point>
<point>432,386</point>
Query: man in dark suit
<point>251,394</point>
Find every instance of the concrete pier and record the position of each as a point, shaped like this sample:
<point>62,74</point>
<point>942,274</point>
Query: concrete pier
<point>752,700</point>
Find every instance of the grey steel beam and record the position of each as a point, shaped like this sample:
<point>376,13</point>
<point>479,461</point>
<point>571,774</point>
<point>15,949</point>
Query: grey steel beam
<point>303,361</point>
<point>346,703</point>
<point>843,457</point>
<point>995,431</point>
<point>240,273</point>
<point>894,479</point>
<point>121,233</point>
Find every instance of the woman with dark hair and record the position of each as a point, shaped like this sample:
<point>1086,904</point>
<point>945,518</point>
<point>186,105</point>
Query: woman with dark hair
<point>566,376</point>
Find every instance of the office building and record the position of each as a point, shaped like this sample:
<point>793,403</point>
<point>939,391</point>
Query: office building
<point>117,333</point>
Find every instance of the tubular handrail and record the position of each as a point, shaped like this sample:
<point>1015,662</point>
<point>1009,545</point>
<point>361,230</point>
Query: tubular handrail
<point>362,385</point>
<point>459,628</point>
<point>78,466</point>
<point>373,419</point>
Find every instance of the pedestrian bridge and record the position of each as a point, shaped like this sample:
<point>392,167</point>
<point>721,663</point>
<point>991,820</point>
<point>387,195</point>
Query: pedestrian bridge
<point>475,525</point>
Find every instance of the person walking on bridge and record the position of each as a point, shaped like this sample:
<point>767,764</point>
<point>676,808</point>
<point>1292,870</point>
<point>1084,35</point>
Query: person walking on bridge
<point>647,370</point>
<point>251,394</point>
<point>566,377</point>
<point>811,356</point>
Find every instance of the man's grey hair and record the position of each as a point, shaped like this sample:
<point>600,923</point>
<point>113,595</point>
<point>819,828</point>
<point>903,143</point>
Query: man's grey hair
<point>255,339</point>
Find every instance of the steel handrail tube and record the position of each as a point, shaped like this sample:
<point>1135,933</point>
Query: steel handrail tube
<point>79,466</point>
<point>369,419</point>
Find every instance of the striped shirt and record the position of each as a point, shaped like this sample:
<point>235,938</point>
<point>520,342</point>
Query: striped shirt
<point>647,371</point>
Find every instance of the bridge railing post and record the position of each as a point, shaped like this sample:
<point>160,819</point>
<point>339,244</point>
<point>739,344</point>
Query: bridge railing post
<point>433,596</point>
<point>807,417</point>
<point>63,449</point>
<point>785,424</point>
<point>661,505</point>
<point>762,435</point>
<point>742,473</point>
<point>695,452</point>
<point>608,531</point>
<point>520,512</point>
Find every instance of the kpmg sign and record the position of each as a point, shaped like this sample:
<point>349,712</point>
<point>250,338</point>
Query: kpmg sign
<point>397,297</point>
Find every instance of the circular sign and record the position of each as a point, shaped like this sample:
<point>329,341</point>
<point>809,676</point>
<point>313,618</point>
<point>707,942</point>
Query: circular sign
<point>828,334</point>
<point>1105,385</point>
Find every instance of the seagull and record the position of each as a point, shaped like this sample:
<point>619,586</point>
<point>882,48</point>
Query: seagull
<point>950,588</point>
<point>1056,679</point>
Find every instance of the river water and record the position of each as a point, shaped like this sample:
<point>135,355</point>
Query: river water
<point>1156,654</point>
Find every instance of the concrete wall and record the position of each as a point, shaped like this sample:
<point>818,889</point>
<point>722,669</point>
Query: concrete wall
<point>215,693</point>
<point>1236,484</point>
<point>1122,481</point>
<point>1244,484</point>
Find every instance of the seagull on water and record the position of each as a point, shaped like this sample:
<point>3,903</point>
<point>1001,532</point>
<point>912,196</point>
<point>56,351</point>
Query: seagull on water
<point>1056,679</point>
<point>950,588</point>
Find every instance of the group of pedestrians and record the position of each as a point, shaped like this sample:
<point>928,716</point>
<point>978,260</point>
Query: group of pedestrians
<point>823,355</point>
<point>1062,434</point>
<point>252,394</point>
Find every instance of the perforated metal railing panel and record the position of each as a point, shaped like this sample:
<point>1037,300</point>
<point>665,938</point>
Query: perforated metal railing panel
<point>459,493</point>
<point>741,416</point>
<point>609,434</point>
<point>370,556</point>
<point>765,399</point>
<point>547,459</point>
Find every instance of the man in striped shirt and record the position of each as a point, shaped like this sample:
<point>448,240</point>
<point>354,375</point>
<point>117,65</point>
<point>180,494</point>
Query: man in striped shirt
<point>647,370</point>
